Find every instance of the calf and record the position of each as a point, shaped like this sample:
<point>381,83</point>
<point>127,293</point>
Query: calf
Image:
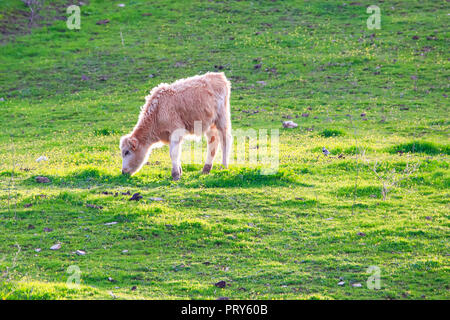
<point>171,111</point>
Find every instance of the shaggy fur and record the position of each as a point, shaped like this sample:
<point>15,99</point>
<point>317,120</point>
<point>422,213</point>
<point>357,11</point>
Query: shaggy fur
<point>171,111</point>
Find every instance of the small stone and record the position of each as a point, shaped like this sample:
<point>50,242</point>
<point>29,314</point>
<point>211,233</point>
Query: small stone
<point>289,124</point>
<point>56,246</point>
<point>156,199</point>
<point>221,284</point>
<point>42,158</point>
<point>100,22</point>
<point>80,252</point>
<point>361,234</point>
<point>42,179</point>
<point>136,197</point>
<point>93,206</point>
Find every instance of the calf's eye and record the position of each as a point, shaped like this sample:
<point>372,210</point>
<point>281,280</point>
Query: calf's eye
<point>127,153</point>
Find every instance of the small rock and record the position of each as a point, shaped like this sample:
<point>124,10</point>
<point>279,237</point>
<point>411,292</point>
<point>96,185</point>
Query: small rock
<point>156,199</point>
<point>42,158</point>
<point>30,227</point>
<point>27,205</point>
<point>42,179</point>
<point>289,124</point>
<point>325,151</point>
<point>341,283</point>
<point>93,206</point>
<point>361,234</point>
<point>124,251</point>
<point>428,218</point>
<point>415,37</point>
<point>357,285</point>
<point>38,250</point>
<point>221,284</point>
<point>121,5</point>
<point>56,246</point>
<point>48,229</point>
<point>133,288</point>
<point>80,252</point>
<point>110,223</point>
<point>136,197</point>
<point>100,22</point>
<point>111,279</point>
<point>305,115</point>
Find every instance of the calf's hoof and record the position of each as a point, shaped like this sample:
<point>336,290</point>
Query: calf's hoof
<point>176,174</point>
<point>206,168</point>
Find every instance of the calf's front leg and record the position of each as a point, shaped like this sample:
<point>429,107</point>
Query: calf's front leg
<point>175,155</point>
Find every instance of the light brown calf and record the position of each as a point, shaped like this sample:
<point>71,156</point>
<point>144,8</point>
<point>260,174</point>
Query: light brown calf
<point>171,111</point>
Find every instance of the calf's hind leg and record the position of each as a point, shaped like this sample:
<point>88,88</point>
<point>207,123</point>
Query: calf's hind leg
<point>226,141</point>
<point>212,136</point>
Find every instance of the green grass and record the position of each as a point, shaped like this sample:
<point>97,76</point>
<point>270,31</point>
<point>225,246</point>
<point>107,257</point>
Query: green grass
<point>421,147</point>
<point>292,235</point>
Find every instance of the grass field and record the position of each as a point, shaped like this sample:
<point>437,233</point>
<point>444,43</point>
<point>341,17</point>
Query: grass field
<point>368,96</point>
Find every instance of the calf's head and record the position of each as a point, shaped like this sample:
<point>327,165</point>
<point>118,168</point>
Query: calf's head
<point>134,154</point>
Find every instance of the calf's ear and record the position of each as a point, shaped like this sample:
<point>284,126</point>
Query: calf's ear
<point>133,143</point>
